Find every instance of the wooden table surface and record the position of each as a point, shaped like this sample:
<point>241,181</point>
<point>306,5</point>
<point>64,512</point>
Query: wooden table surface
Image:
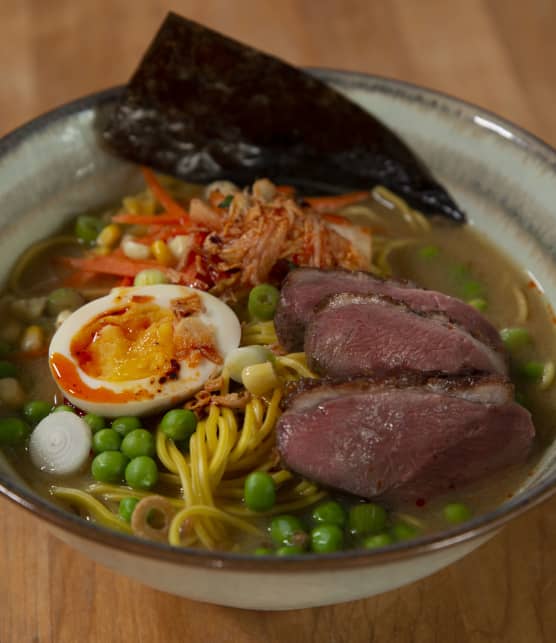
<point>499,54</point>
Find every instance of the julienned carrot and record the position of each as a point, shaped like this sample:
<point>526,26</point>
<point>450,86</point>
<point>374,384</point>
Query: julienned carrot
<point>336,218</point>
<point>143,219</point>
<point>78,279</point>
<point>288,190</point>
<point>171,206</point>
<point>328,203</point>
<point>111,265</point>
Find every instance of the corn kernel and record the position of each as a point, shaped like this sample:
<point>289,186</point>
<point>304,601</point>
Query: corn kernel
<point>10,330</point>
<point>259,379</point>
<point>161,253</point>
<point>11,393</point>
<point>101,251</point>
<point>32,339</point>
<point>109,235</point>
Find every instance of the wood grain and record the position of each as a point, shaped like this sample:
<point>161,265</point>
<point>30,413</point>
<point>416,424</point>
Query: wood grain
<point>497,53</point>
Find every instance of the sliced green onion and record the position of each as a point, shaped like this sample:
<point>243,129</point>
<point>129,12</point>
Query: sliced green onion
<point>429,252</point>
<point>239,358</point>
<point>150,277</point>
<point>87,228</point>
<point>226,202</point>
<point>479,304</point>
<point>262,302</point>
<point>549,372</point>
<point>472,289</point>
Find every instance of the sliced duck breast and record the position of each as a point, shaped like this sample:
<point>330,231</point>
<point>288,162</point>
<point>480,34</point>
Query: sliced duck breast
<point>360,335</point>
<point>304,288</point>
<point>405,438</point>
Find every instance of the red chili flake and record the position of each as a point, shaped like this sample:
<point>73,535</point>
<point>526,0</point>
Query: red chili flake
<point>531,284</point>
<point>420,502</point>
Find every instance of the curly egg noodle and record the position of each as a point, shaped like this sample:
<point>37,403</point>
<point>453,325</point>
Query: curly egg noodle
<point>205,487</point>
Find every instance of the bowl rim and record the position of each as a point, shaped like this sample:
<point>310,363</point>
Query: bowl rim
<point>480,526</point>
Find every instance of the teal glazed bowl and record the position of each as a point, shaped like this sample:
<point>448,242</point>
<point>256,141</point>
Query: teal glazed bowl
<point>503,177</point>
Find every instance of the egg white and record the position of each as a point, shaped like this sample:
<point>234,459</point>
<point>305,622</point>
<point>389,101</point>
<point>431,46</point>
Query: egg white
<point>222,319</point>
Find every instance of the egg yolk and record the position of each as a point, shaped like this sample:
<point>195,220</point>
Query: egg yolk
<point>127,343</point>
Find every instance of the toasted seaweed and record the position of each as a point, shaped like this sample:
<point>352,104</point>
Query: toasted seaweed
<point>201,106</point>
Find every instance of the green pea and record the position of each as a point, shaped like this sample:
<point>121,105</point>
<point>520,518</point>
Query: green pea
<point>262,302</point>
<point>403,531</point>
<point>263,551</point>
<point>36,410</point>
<point>13,431</point>
<point>284,530</point>
<point>87,228</point>
<point>5,349</point>
<point>456,513</point>
<point>96,422</point>
<point>366,519</point>
<point>141,473</point>
<point>330,512</point>
<point>63,299</point>
<point>326,539</point>
<point>515,338</point>
<point>138,442</point>
<point>179,424</point>
<point>109,466</point>
<point>460,272</point>
<point>126,507</point>
<point>289,550</point>
<point>259,491</point>
<point>7,369</point>
<point>126,424</point>
<point>106,440</point>
<point>63,407</point>
<point>377,540</point>
<point>479,304</point>
<point>429,252</point>
<point>532,370</point>
<point>150,277</point>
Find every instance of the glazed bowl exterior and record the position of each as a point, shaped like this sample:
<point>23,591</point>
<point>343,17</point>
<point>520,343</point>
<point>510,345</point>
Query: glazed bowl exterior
<point>56,167</point>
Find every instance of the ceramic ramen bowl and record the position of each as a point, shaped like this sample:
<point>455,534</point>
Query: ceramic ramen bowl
<point>505,179</point>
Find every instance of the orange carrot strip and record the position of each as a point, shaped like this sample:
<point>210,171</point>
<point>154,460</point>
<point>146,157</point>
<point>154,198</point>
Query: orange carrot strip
<point>110,265</point>
<point>336,218</point>
<point>77,279</point>
<point>216,198</point>
<point>143,219</point>
<point>288,190</point>
<point>171,206</point>
<point>326,203</point>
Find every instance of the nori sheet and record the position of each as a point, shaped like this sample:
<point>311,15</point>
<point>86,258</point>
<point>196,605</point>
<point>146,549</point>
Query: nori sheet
<point>201,106</point>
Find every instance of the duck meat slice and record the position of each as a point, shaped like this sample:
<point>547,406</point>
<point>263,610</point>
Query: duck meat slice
<point>202,106</point>
<point>360,335</point>
<point>304,288</point>
<point>406,438</point>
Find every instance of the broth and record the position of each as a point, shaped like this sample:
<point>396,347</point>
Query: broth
<point>437,255</point>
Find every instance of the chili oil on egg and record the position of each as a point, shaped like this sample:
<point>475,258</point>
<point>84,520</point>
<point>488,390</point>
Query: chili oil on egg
<point>140,350</point>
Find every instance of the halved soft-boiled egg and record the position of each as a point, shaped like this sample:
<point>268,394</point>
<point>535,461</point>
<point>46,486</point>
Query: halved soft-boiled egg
<point>140,350</point>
